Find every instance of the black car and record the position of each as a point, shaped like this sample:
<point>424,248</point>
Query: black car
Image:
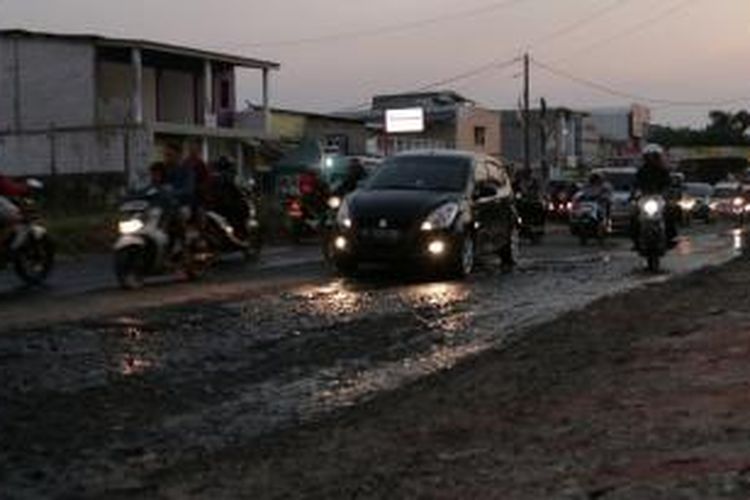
<point>440,208</point>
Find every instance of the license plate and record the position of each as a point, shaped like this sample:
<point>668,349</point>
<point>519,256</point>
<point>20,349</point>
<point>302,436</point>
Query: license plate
<point>384,235</point>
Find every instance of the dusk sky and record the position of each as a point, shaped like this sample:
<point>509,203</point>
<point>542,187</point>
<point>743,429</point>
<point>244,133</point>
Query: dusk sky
<point>696,51</point>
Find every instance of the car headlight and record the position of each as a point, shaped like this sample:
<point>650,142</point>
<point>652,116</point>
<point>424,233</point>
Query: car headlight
<point>738,202</point>
<point>441,218</point>
<point>687,204</point>
<point>334,202</point>
<point>130,226</point>
<point>651,208</point>
<point>343,217</point>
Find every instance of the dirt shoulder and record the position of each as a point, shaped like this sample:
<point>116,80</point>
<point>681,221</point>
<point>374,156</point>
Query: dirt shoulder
<point>640,396</point>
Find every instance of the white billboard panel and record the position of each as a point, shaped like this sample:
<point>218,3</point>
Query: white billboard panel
<point>404,120</point>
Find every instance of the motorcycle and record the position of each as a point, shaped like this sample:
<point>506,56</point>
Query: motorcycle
<point>652,234</point>
<point>531,218</point>
<point>235,228</point>
<point>147,245</point>
<point>588,219</point>
<point>27,246</point>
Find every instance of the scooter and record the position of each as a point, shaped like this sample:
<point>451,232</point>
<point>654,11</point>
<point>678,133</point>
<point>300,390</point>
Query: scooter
<point>147,245</point>
<point>652,234</point>
<point>27,246</point>
<point>588,219</point>
<point>243,234</point>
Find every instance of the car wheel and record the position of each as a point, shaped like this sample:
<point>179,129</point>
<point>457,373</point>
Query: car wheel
<point>465,258</point>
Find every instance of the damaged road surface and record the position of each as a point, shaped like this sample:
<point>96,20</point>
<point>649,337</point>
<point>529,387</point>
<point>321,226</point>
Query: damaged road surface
<point>154,402</point>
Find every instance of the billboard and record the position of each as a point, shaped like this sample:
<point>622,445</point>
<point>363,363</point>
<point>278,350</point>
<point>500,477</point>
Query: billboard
<point>400,121</point>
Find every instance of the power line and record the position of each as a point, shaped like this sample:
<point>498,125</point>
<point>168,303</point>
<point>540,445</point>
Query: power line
<point>632,30</point>
<point>477,71</point>
<point>580,23</point>
<point>499,65</point>
<point>627,95</point>
<point>387,29</point>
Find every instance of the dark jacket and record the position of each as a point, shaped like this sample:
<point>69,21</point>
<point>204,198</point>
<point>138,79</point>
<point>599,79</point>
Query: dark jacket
<point>182,179</point>
<point>652,179</point>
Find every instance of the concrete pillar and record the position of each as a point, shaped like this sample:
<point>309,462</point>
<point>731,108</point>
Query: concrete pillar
<point>136,99</point>
<point>208,105</point>
<point>205,151</point>
<point>267,100</point>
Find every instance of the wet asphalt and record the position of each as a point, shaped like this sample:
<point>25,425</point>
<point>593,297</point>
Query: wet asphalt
<point>97,407</point>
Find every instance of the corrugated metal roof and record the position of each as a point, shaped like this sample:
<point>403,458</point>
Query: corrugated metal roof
<point>168,48</point>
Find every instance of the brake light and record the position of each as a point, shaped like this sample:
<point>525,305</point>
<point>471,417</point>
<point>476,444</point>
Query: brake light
<point>295,209</point>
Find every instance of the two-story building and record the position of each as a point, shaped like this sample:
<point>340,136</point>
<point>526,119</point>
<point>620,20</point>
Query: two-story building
<point>91,105</point>
<point>451,121</point>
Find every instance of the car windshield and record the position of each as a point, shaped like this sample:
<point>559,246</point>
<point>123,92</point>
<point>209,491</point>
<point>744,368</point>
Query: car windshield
<point>620,181</point>
<point>428,173</point>
<point>699,190</point>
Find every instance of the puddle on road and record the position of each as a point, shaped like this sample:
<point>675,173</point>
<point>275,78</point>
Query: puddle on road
<point>251,367</point>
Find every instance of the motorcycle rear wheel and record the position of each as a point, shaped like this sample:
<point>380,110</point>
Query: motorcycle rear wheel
<point>33,262</point>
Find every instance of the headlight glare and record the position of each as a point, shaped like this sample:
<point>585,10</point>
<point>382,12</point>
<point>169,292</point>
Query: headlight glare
<point>343,217</point>
<point>130,226</point>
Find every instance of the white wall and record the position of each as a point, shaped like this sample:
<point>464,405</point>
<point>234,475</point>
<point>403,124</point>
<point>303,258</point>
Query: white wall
<point>75,152</point>
<point>56,83</point>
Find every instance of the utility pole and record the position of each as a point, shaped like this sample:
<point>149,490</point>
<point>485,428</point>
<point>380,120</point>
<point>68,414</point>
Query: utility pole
<point>526,115</point>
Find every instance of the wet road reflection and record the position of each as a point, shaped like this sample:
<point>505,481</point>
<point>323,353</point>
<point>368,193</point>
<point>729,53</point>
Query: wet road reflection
<point>187,380</point>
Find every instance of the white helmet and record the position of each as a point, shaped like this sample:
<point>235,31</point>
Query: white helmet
<point>653,149</point>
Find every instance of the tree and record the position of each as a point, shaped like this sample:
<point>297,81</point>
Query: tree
<point>724,129</point>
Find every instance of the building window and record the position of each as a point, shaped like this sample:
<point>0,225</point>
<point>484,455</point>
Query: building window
<point>480,136</point>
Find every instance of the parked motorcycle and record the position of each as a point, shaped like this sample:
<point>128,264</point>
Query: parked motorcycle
<point>652,234</point>
<point>27,246</point>
<point>232,225</point>
<point>148,244</point>
<point>588,219</point>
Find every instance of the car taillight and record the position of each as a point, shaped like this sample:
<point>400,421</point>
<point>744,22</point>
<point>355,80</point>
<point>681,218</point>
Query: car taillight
<point>295,209</point>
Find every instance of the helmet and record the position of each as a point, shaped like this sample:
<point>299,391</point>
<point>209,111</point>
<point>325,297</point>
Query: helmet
<point>653,149</point>
<point>596,178</point>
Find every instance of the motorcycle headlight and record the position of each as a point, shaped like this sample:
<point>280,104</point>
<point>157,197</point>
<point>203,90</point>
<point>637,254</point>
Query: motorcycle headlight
<point>738,202</point>
<point>343,217</point>
<point>334,202</point>
<point>441,218</point>
<point>130,226</point>
<point>651,207</point>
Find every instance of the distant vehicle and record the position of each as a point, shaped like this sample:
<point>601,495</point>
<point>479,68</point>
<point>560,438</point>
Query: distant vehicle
<point>652,234</point>
<point>560,198</point>
<point>588,218</point>
<point>729,201</point>
<point>622,182</point>
<point>439,209</point>
<point>696,201</point>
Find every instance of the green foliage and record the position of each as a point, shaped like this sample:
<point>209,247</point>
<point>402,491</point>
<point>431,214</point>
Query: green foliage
<point>724,129</point>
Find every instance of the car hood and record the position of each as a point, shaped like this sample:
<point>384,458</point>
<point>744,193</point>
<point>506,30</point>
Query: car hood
<point>397,207</point>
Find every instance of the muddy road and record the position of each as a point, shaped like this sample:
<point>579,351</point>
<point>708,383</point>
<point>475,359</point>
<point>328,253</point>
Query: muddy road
<point>95,408</point>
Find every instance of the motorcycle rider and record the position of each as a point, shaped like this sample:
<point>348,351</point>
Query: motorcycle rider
<point>653,178</point>
<point>598,190</point>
